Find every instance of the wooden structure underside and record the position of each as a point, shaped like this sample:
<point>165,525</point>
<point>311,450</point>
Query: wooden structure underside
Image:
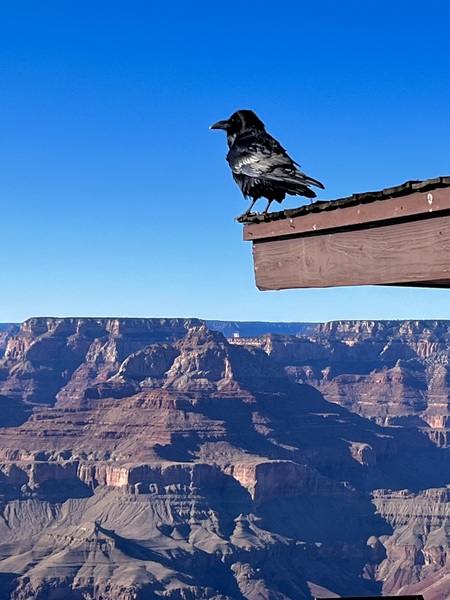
<point>398,236</point>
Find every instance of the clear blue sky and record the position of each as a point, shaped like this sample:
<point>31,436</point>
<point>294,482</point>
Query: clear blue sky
<point>115,198</point>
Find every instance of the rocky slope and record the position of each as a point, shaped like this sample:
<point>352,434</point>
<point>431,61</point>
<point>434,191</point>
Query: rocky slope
<point>152,458</point>
<point>395,373</point>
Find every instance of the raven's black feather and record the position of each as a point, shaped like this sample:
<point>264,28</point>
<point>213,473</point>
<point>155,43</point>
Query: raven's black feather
<point>260,165</point>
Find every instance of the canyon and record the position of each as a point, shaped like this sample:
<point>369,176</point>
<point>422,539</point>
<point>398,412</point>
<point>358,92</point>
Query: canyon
<point>157,458</point>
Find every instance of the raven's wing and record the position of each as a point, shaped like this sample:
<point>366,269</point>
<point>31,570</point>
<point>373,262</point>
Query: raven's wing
<point>258,156</point>
<point>264,157</point>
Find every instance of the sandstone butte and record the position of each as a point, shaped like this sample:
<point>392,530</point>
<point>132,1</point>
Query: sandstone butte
<point>153,458</point>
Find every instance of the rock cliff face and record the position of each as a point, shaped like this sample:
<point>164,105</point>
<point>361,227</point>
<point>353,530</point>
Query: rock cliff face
<point>7,330</point>
<point>395,373</point>
<point>152,458</point>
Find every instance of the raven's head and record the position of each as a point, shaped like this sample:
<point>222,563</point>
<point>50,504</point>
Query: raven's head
<point>240,121</point>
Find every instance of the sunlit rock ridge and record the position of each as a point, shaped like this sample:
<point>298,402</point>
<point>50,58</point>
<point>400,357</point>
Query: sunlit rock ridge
<point>155,458</point>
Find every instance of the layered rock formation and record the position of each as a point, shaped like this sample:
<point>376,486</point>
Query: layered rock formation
<point>395,373</point>
<point>7,330</point>
<point>152,458</point>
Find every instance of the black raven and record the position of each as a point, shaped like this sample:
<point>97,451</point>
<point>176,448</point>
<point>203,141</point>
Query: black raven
<point>260,165</point>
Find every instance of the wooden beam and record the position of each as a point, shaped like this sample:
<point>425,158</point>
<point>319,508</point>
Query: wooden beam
<point>362,214</point>
<point>401,253</point>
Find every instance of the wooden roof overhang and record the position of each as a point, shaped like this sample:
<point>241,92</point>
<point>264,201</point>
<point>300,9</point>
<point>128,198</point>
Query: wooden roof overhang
<point>397,236</point>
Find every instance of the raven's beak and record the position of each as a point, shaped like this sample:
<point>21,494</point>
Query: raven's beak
<point>220,125</point>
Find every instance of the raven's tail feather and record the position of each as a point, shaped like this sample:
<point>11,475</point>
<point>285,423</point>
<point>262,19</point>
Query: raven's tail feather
<point>299,189</point>
<point>310,181</point>
<point>295,180</point>
<point>295,184</point>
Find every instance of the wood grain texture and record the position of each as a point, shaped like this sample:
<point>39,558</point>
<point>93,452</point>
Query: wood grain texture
<point>411,253</point>
<point>361,214</point>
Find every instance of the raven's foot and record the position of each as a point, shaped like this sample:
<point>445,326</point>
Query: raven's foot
<point>247,216</point>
